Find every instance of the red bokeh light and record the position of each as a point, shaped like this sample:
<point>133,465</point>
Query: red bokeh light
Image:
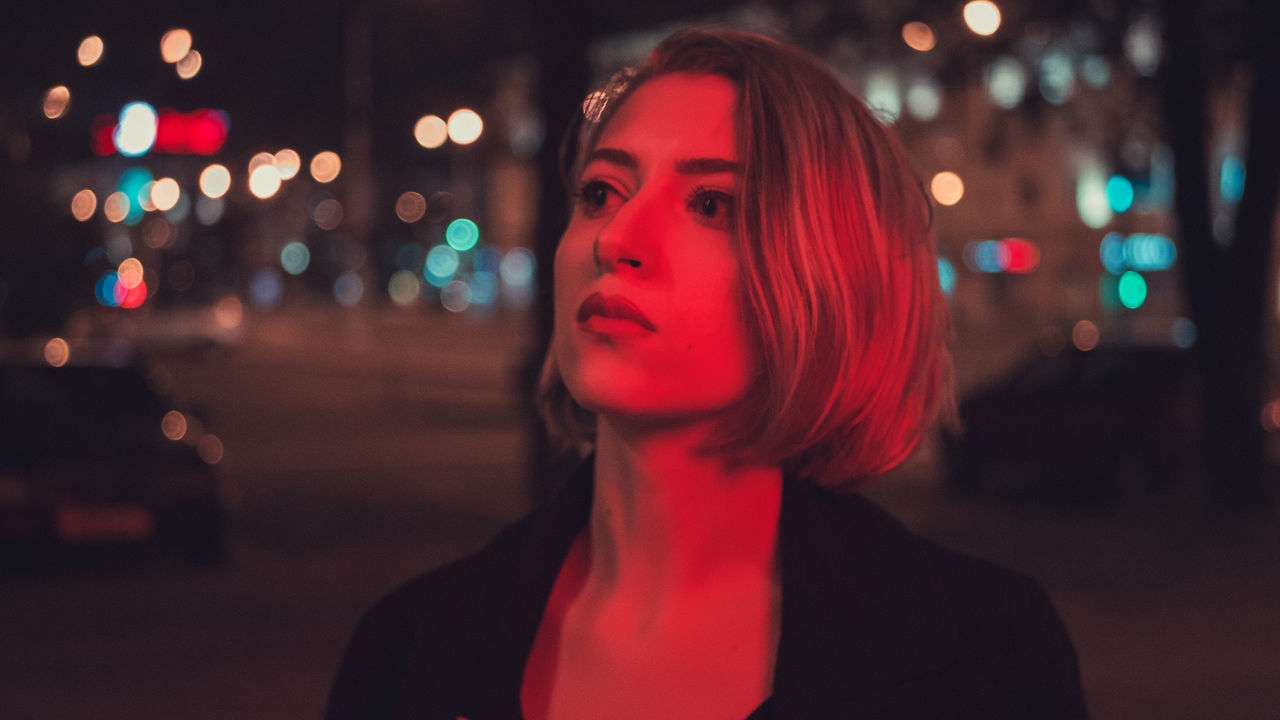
<point>1023,255</point>
<point>200,132</point>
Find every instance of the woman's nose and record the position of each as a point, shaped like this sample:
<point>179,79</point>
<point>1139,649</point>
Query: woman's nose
<point>627,240</point>
<point>611,256</point>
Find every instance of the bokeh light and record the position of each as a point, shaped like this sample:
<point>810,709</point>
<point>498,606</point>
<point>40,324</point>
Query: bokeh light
<point>190,64</point>
<point>517,267</point>
<point>1006,81</point>
<point>462,234</point>
<point>431,131</point>
<point>1231,179</point>
<point>348,289</point>
<point>1091,194</point>
<point>264,181</point>
<point>135,132</point>
<point>1095,70</point>
<point>175,44</point>
<point>1182,331</point>
<point>228,312</point>
<point>210,449</point>
<point>56,101</point>
<point>294,258</point>
<point>116,207</point>
<point>1142,45</point>
<point>90,51</point>
<point>179,212</point>
<point>1011,255</point>
<point>130,297</point>
<point>105,289</point>
<point>1119,193</point>
<point>404,287</point>
<point>144,196</point>
<point>1084,335</point>
<point>260,159</point>
<point>946,276</point>
<point>883,95</point>
<point>918,36</point>
<point>456,296</point>
<point>947,188</point>
<point>215,181</point>
<point>411,206</point>
<point>1111,252</point>
<point>209,210</point>
<point>465,126</point>
<point>83,204</point>
<point>1057,77</point>
<point>325,166</point>
<point>129,274</point>
<point>158,233</point>
<point>442,263</point>
<point>57,352</point>
<point>165,194</point>
<point>924,99</point>
<point>1271,416</point>
<point>327,214</point>
<point>173,425</point>
<point>483,287</point>
<point>1132,290</point>
<point>982,17</point>
<point>287,163</point>
<point>266,288</point>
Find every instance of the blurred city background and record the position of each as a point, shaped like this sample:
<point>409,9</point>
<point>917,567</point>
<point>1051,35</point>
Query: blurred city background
<point>274,288</point>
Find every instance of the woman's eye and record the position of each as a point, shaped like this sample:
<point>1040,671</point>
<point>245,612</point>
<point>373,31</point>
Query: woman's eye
<point>593,196</point>
<point>713,207</point>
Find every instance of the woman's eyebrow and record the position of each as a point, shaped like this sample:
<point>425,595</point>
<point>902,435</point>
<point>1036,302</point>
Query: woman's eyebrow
<point>708,166</point>
<point>686,166</point>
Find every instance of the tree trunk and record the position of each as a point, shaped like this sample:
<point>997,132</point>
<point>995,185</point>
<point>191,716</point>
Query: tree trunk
<point>562,83</point>
<point>1226,283</point>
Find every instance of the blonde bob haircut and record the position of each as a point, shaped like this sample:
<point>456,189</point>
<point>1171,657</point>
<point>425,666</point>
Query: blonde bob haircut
<point>840,282</point>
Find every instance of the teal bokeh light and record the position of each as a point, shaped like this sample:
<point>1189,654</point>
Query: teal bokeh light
<point>1231,181</point>
<point>1132,290</point>
<point>462,234</point>
<point>442,263</point>
<point>946,276</point>
<point>294,258</point>
<point>1119,193</point>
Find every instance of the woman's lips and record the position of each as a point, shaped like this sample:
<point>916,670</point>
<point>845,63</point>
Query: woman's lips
<point>612,314</point>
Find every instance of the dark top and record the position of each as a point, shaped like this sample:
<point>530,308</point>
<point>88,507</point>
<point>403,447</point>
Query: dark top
<point>876,623</point>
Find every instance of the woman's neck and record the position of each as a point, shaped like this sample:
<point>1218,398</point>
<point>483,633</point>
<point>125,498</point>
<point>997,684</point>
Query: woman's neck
<point>666,520</point>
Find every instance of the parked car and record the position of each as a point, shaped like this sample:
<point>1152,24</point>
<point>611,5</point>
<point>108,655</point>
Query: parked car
<point>1076,425</point>
<point>91,456</point>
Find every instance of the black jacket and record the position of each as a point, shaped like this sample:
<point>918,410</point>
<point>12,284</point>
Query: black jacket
<point>876,623</point>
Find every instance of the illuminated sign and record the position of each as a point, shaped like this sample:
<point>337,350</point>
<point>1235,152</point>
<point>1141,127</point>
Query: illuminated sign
<point>1012,255</point>
<point>200,132</point>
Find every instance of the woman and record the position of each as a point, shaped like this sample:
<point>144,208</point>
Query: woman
<point>747,326</point>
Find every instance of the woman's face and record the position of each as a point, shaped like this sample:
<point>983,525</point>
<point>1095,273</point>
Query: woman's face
<point>647,316</point>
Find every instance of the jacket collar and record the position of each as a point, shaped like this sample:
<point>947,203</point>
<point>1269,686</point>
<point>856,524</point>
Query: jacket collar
<point>862,604</point>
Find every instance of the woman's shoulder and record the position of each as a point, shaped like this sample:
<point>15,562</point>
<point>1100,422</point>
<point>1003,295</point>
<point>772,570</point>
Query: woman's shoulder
<point>951,609</point>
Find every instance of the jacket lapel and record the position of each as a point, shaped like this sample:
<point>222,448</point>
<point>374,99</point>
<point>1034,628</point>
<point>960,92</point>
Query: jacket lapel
<point>862,606</point>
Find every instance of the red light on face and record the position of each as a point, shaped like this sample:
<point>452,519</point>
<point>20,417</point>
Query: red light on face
<point>1023,255</point>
